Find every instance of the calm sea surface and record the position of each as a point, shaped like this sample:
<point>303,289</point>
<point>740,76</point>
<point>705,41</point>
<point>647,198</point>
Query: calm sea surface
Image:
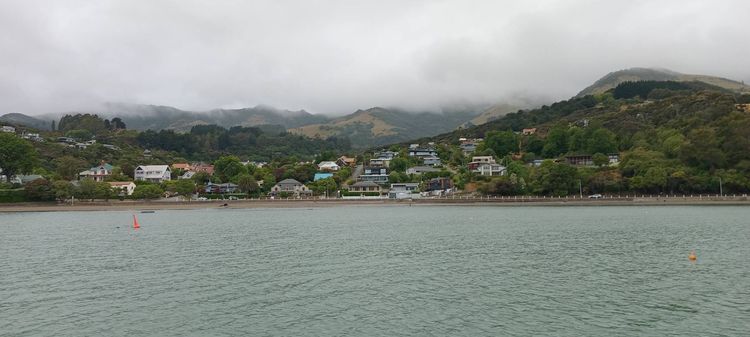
<point>378,271</point>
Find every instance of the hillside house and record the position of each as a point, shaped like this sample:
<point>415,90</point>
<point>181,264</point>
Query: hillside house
<point>328,166</point>
<point>153,173</point>
<point>403,190</point>
<point>421,169</point>
<point>97,173</point>
<point>202,167</point>
<point>439,184</point>
<point>8,129</point>
<point>375,174</point>
<point>346,161</point>
<point>422,152</point>
<point>290,186</point>
<point>432,161</point>
<point>528,132</point>
<point>181,166</point>
<point>380,162</point>
<point>489,169</point>
<point>365,186</point>
<point>478,160</point>
<point>385,154</point>
<point>123,188</point>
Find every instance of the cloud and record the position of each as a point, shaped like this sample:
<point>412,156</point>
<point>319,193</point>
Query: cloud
<point>339,56</point>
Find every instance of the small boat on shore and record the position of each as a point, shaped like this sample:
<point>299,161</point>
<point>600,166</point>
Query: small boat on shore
<point>148,211</point>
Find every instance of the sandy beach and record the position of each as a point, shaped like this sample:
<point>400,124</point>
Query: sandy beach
<point>311,203</point>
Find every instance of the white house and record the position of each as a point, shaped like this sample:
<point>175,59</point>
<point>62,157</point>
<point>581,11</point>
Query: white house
<point>290,186</point>
<point>153,173</point>
<point>328,166</point>
<point>123,187</point>
<point>8,129</point>
<point>490,169</point>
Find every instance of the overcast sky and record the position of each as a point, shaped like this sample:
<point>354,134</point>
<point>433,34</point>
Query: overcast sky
<point>338,56</point>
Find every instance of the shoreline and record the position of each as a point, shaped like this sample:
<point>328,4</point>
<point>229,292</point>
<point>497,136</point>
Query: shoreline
<point>320,203</point>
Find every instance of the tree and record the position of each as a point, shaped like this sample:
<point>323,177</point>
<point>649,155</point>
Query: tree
<point>600,159</point>
<point>62,189</point>
<point>556,142</point>
<point>86,189</point>
<point>555,178</point>
<point>247,184</point>
<point>104,191</point>
<point>398,164</point>
<point>501,142</point>
<point>16,155</point>
<point>228,167</point>
<point>147,192</point>
<point>68,167</point>
<point>39,190</point>
<point>184,187</point>
<point>601,140</point>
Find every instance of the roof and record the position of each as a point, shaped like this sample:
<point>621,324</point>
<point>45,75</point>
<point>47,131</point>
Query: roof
<point>120,183</point>
<point>153,167</point>
<point>365,184</point>
<point>183,166</point>
<point>330,163</point>
<point>106,166</point>
<point>289,182</point>
<point>319,176</point>
<point>424,168</point>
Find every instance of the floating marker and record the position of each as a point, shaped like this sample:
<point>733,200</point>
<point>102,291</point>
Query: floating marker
<point>135,223</point>
<point>692,256</point>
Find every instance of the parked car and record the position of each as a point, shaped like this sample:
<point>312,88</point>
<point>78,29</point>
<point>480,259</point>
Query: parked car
<point>231,197</point>
<point>595,196</point>
<point>202,199</point>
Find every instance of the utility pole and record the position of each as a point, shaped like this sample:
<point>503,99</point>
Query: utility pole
<point>721,189</point>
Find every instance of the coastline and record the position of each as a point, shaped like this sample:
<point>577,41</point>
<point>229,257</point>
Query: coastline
<point>319,203</point>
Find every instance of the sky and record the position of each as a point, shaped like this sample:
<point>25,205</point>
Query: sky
<point>335,57</point>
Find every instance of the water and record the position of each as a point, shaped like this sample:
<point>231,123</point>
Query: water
<point>378,271</point>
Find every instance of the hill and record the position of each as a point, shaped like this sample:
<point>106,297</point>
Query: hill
<point>378,126</point>
<point>19,119</point>
<point>613,79</point>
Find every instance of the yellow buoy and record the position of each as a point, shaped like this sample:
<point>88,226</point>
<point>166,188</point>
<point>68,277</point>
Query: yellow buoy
<point>692,256</point>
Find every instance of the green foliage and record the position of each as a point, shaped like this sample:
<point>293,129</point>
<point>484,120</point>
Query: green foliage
<point>247,184</point>
<point>183,187</point>
<point>501,142</point>
<point>68,166</point>
<point>39,190</point>
<point>600,159</point>
<point>398,164</point>
<point>555,179</point>
<point>228,167</point>
<point>62,189</point>
<point>16,155</point>
<point>147,192</point>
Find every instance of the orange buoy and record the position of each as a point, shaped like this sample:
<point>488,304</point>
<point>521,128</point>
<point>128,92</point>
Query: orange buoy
<point>692,256</point>
<point>135,223</point>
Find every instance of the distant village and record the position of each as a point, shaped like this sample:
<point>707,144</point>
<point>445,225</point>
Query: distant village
<point>399,172</point>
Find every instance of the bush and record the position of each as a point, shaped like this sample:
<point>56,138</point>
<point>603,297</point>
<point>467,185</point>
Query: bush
<point>18,195</point>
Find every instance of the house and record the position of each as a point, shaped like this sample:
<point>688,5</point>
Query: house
<point>385,154</point>
<point>477,160</point>
<point>403,190</point>
<point>221,188</point>
<point>439,184</point>
<point>111,147</point>
<point>32,136</point>
<point>528,132</point>
<point>24,179</point>
<point>421,169</point>
<point>583,160</point>
<point>322,175</point>
<point>8,129</point>
<point>489,169</point>
<point>123,187</point>
<point>147,153</point>
<point>181,166</point>
<point>202,167</point>
<point>153,173</point>
<point>375,174</point>
<point>380,162</point>
<point>290,186</point>
<point>422,152</point>
<point>328,166</point>
<point>187,175</point>
<point>66,140</point>
<point>97,173</point>
<point>365,186</point>
<point>346,161</point>
<point>81,146</point>
<point>432,161</point>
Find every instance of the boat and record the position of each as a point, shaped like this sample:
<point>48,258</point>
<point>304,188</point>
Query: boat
<point>148,211</point>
